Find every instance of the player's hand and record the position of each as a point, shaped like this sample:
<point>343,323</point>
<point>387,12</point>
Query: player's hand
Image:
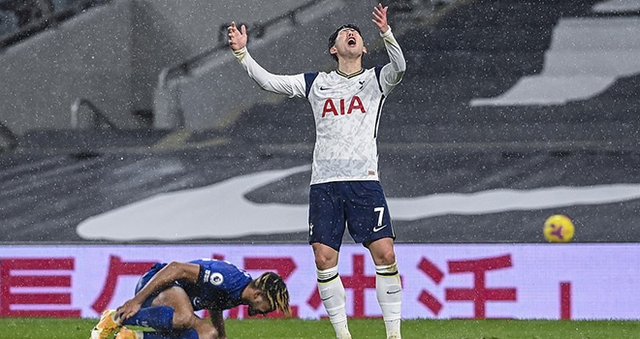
<point>237,38</point>
<point>128,309</point>
<point>380,18</point>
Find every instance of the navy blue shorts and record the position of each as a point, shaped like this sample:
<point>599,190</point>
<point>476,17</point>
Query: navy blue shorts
<point>359,206</point>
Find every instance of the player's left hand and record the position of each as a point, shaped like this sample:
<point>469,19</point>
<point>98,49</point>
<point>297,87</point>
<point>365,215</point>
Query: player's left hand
<point>237,38</point>
<point>380,18</point>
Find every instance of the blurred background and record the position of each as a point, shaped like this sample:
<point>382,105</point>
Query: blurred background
<point>128,121</point>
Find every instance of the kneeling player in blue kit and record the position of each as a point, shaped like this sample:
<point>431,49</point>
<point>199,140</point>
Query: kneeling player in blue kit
<point>168,294</point>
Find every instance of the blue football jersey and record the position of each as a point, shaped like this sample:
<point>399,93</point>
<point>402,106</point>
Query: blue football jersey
<point>219,285</point>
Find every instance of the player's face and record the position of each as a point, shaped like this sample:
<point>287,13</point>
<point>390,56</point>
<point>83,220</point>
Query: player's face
<point>349,43</point>
<point>259,305</point>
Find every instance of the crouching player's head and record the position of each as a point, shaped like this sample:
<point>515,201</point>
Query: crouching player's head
<point>270,294</point>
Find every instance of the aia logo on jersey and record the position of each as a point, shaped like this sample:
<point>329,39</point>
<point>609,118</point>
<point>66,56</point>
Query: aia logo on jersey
<point>341,107</point>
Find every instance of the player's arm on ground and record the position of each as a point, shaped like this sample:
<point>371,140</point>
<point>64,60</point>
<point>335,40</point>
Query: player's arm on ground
<point>218,322</point>
<point>170,273</point>
<point>393,71</point>
<point>290,85</point>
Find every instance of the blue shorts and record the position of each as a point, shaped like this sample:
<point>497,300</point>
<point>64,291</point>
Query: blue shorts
<point>359,206</point>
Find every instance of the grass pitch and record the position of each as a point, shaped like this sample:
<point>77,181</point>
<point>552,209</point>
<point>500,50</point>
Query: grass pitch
<point>36,328</point>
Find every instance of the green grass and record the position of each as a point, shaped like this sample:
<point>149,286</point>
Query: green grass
<point>36,328</point>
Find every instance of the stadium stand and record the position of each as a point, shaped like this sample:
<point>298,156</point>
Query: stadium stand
<point>441,133</point>
<point>8,23</point>
<point>18,23</point>
<point>481,50</point>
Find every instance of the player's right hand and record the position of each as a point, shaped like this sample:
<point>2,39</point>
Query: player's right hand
<point>380,17</point>
<point>128,309</point>
<point>237,38</point>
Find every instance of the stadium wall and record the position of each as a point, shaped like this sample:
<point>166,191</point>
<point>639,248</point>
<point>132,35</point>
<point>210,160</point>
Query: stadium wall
<point>209,96</point>
<point>112,55</point>
<point>444,281</point>
<point>88,57</point>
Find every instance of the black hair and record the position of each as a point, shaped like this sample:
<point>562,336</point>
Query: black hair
<point>334,36</point>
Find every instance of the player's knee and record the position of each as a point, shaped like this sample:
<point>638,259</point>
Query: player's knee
<point>325,262</point>
<point>382,251</point>
<point>205,329</point>
<point>210,333</point>
<point>325,259</point>
<point>387,257</point>
<point>184,320</point>
<point>321,262</point>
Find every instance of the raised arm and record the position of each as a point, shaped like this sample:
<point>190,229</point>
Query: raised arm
<point>290,85</point>
<point>393,71</point>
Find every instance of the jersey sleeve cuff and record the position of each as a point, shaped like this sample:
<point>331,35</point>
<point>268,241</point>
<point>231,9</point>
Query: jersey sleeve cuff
<point>241,53</point>
<point>387,33</point>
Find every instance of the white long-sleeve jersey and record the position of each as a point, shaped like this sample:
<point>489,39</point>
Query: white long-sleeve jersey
<point>346,109</point>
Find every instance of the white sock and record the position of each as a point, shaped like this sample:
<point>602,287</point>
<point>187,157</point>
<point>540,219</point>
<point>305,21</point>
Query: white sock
<point>334,299</point>
<point>389,293</point>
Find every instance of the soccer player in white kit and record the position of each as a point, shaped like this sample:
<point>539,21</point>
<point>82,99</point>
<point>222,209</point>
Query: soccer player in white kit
<point>345,191</point>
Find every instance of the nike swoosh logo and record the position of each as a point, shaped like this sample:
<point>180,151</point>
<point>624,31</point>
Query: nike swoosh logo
<point>323,88</point>
<point>155,217</point>
<point>394,292</point>
<point>378,228</point>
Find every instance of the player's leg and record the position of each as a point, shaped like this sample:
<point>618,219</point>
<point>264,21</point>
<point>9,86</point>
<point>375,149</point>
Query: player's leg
<point>388,284</point>
<point>326,227</point>
<point>154,312</point>
<point>109,321</point>
<point>172,316</point>
<point>126,333</point>
<point>331,290</point>
<point>184,318</point>
<point>370,224</point>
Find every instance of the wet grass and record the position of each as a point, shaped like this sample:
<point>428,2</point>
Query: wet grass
<point>36,328</point>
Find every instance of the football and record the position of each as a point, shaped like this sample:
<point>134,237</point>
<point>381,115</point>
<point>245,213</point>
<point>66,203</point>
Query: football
<point>558,228</point>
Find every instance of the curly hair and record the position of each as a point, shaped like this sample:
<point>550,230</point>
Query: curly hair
<point>275,290</point>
